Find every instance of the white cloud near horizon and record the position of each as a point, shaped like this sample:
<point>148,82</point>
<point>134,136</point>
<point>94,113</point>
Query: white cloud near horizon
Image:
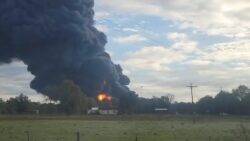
<point>135,38</point>
<point>15,79</point>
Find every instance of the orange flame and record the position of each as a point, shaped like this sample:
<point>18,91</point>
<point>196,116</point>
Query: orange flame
<point>104,97</point>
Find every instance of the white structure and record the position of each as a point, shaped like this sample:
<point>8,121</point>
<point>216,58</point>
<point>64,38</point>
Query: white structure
<point>93,111</point>
<point>108,112</point>
<point>97,111</point>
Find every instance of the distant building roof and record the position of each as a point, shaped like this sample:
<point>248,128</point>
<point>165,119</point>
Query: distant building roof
<point>161,109</point>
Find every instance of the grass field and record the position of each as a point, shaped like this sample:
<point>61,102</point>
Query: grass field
<point>146,128</point>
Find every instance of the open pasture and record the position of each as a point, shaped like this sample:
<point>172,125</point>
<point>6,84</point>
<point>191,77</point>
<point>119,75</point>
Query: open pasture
<point>125,128</point>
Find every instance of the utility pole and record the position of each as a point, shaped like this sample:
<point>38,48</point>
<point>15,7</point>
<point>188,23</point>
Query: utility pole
<point>191,86</point>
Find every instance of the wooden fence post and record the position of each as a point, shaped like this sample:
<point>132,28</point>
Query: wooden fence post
<point>28,135</point>
<point>136,138</point>
<point>78,135</point>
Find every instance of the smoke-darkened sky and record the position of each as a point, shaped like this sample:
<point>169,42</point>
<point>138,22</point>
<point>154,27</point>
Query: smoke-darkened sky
<point>164,45</point>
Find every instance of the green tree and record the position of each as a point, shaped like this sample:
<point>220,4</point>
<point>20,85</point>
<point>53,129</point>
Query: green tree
<point>48,108</point>
<point>18,105</point>
<point>205,105</point>
<point>243,92</point>
<point>2,106</point>
<point>146,105</point>
<point>71,99</point>
<point>127,103</point>
<point>162,102</point>
<point>226,102</point>
<point>181,108</point>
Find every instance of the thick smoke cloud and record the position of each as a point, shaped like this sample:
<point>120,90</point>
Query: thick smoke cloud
<point>58,41</point>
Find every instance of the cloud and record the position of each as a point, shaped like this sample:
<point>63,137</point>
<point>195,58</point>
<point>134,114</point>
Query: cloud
<point>155,58</point>
<point>157,70</point>
<point>182,43</point>
<point>197,62</point>
<point>14,80</point>
<point>130,30</point>
<point>228,52</point>
<point>176,36</point>
<point>169,68</point>
<point>225,17</point>
<point>102,15</point>
<point>103,28</point>
<point>136,38</point>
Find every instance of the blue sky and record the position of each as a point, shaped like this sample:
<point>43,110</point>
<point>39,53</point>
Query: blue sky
<point>164,45</point>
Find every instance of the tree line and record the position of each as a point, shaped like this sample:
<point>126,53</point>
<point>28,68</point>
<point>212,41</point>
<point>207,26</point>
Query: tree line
<point>69,99</point>
<point>236,102</point>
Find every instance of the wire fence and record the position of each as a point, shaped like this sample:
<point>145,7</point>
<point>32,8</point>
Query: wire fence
<point>78,136</point>
<point>81,137</point>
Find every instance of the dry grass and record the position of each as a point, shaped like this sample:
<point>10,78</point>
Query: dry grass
<point>124,128</point>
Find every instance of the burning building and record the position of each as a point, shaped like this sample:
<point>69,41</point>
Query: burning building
<point>57,40</point>
<point>106,105</point>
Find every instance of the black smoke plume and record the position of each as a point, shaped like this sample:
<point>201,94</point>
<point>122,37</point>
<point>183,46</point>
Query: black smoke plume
<point>57,40</point>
